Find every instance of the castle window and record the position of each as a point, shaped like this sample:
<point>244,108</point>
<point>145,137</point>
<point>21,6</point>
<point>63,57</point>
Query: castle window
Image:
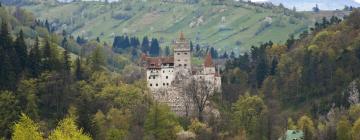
<point>163,71</point>
<point>185,53</point>
<point>157,85</point>
<point>180,65</point>
<point>149,77</point>
<point>167,84</point>
<point>163,84</point>
<point>167,77</point>
<point>178,53</point>
<point>150,85</point>
<point>179,60</point>
<point>185,65</point>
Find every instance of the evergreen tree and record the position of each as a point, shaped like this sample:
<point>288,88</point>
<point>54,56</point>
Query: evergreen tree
<point>21,50</point>
<point>191,46</point>
<point>9,64</point>
<point>97,59</point>
<point>214,53</point>
<point>161,123</point>
<point>7,73</point>
<point>98,39</point>
<point>66,64</point>
<point>47,57</point>
<point>47,26</point>
<point>78,69</point>
<point>232,55</point>
<point>9,112</point>
<point>167,51</point>
<point>273,67</point>
<point>5,37</point>
<point>34,62</point>
<point>64,43</point>
<point>28,100</point>
<point>145,45</point>
<point>154,48</point>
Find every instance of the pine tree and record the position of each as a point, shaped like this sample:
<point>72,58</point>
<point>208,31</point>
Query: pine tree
<point>47,55</point>
<point>98,39</point>
<point>21,50</point>
<point>154,48</point>
<point>9,62</point>
<point>64,43</point>
<point>78,69</point>
<point>167,51</point>
<point>7,74</point>
<point>66,64</point>
<point>145,45</point>
<point>5,37</point>
<point>47,25</point>
<point>34,62</point>
<point>191,46</point>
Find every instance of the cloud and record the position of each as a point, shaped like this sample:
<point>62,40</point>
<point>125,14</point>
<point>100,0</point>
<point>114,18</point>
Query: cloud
<point>358,1</point>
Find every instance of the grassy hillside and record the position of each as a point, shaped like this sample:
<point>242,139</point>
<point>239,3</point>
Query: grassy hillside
<point>226,27</point>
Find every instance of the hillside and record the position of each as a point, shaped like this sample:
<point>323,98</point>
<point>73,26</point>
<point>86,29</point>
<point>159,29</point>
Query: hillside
<point>230,26</point>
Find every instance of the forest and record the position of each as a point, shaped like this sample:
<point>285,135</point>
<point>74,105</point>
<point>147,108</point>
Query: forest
<point>60,87</point>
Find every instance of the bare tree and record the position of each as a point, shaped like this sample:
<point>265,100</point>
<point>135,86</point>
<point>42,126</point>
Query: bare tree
<point>199,91</point>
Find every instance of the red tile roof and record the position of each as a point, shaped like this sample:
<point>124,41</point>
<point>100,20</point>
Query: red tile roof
<point>208,61</point>
<point>156,62</point>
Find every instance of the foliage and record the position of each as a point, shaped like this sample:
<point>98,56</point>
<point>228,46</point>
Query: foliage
<point>26,129</point>
<point>161,123</point>
<point>307,126</point>
<point>9,111</point>
<point>355,130</point>
<point>67,130</point>
<point>343,129</point>
<point>249,112</point>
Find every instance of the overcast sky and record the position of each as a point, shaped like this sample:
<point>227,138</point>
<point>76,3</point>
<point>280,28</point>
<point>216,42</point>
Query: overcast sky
<point>300,0</point>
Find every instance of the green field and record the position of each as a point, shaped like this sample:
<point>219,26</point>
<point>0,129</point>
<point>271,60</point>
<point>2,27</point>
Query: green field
<point>225,27</point>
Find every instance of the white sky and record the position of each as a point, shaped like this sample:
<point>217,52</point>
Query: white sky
<point>267,0</point>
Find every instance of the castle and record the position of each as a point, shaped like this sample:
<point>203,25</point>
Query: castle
<point>167,76</point>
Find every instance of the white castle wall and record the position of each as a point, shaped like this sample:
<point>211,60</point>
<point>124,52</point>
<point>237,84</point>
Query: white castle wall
<point>160,78</point>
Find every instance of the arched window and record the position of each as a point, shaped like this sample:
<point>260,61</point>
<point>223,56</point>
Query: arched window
<point>167,77</point>
<point>157,84</point>
<point>150,85</point>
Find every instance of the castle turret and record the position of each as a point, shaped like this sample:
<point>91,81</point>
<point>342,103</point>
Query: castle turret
<point>209,67</point>
<point>182,54</point>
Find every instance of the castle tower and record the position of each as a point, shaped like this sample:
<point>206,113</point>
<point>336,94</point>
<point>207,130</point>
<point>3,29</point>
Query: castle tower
<point>182,55</point>
<point>209,67</point>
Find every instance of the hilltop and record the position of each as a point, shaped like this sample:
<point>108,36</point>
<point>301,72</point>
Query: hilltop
<point>226,26</point>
